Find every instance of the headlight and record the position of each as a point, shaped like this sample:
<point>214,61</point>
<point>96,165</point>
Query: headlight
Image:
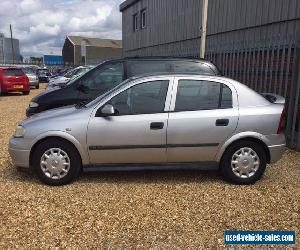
<point>33,105</point>
<point>20,131</point>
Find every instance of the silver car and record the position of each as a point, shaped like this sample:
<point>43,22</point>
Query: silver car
<point>32,77</point>
<point>156,121</point>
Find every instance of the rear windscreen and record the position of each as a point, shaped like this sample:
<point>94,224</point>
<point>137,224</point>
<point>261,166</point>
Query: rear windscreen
<point>13,72</point>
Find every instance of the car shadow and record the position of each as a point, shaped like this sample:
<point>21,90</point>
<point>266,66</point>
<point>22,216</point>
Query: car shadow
<point>3,95</point>
<point>164,176</point>
<point>151,176</point>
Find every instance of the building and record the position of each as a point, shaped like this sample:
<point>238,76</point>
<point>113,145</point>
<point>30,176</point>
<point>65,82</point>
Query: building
<point>256,42</point>
<point>79,50</point>
<point>52,60</point>
<point>6,55</point>
<point>172,27</point>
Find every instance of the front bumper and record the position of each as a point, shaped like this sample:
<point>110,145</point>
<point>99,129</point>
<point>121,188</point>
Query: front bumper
<point>19,152</point>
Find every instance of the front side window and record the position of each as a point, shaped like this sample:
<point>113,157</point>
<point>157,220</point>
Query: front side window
<point>103,78</point>
<point>202,95</point>
<point>144,98</point>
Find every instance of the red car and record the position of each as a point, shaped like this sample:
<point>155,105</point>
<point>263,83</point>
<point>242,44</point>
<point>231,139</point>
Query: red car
<point>13,80</point>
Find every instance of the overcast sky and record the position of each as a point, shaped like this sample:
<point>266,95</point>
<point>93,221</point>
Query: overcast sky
<point>42,25</point>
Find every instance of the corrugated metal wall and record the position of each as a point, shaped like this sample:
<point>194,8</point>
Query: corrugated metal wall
<point>173,26</point>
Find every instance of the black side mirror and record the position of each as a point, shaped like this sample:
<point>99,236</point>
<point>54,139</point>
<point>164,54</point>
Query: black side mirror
<point>106,110</point>
<point>82,88</point>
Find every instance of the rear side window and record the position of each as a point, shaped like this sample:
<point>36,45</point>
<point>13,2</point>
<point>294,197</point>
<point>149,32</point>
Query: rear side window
<point>146,67</point>
<point>202,95</point>
<point>13,72</point>
<point>168,66</point>
<point>192,67</point>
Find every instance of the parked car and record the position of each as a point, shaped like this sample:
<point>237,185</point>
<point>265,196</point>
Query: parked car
<point>157,121</point>
<point>43,75</point>
<point>60,80</point>
<point>111,73</point>
<point>13,80</point>
<point>32,76</point>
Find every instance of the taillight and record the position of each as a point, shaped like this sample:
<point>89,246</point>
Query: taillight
<point>282,122</point>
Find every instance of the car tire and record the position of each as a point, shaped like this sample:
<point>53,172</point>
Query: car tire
<point>56,162</point>
<point>37,86</point>
<point>244,162</point>
<point>26,92</point>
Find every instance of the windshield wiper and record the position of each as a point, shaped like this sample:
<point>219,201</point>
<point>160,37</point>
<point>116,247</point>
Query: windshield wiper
<point>81,104</point>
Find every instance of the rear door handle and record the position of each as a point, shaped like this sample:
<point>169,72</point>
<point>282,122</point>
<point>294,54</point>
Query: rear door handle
<point>222,122</point>
<point>156,125</point>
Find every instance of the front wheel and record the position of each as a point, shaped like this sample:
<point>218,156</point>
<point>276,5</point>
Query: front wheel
<point>37,86</point>
<point>56,162</point>
<point>26,92</point>
<point>244,162</point>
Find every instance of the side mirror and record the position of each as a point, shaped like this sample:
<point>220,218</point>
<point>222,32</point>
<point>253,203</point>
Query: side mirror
<point>82,88</point>
<point>106,110</point>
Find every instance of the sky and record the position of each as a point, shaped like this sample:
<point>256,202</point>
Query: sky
<point>42,25</point>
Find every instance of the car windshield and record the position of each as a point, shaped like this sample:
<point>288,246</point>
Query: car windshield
<point>70,73</point>
<point>28,71</point>
<point>42,71</point>
<point>13,72</point>
<point>75,77</point>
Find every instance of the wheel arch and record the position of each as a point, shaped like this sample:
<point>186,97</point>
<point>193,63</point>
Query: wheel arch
<point>62,137</point>
<point>257,138</point>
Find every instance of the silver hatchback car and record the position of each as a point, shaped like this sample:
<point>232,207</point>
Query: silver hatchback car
<point>156,121</point>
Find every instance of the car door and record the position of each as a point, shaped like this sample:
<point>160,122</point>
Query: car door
<point>205,113</point>
<point>137,133</point>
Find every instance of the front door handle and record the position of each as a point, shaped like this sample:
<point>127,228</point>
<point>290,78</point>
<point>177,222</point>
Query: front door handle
<point>222,122</point>
<point>156,125</point>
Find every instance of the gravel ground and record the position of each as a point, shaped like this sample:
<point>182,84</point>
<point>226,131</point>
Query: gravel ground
<point>178,210</point>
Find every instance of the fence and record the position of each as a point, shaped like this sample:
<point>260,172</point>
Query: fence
<point>271,65</point>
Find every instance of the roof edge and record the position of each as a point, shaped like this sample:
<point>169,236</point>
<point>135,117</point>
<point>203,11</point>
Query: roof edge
<point>126,4</point>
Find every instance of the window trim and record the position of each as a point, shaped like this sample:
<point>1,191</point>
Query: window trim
<point>226,83</point>
<point>143,25</point>
<point>135,22</point>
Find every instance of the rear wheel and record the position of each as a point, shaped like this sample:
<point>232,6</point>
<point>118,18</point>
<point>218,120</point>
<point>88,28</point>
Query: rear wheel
<point>244,162</point>
<point>37,86</point>
<point>26,92</point>
<point>56,162</point>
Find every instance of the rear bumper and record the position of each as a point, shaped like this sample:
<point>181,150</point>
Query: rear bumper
<point>276,152</point>
<point>10,88</point>
<point>34,83</point>
<point>43,79</point>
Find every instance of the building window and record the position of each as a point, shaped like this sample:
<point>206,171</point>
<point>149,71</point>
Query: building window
<point>143,19</point>
<point>135,22</point>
